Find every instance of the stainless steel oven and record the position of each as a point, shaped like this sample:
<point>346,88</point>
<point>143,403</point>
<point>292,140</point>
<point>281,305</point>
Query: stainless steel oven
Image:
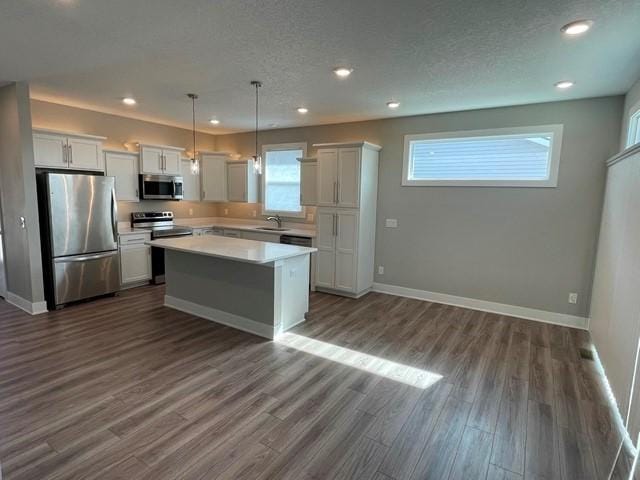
<point>161,226</point>
<point>161,187</point>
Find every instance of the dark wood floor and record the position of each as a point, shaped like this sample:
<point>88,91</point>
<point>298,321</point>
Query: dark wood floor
<point>125,388</point>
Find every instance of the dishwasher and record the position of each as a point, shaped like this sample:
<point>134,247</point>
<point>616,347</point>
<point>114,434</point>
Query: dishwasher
<point>295,240</point>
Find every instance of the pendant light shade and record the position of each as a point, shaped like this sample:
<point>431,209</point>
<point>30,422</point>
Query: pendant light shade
<point>257,158</point>
<point>195,165</point>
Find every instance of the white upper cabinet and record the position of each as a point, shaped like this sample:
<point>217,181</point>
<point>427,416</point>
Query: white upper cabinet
<point>348,180</point>
<point>327,177</point>
<point>339,177</point>
<point>85,154</point>
<point>242,182</point>
<point>151,160</point>
<point>50,150</point>
<point>172,160</point>
<point>213,176</point>
<point>191,182</point>
<point>160,160</point>
<point>67,151</point>
<point>308,181</point>
<point>124,167</point>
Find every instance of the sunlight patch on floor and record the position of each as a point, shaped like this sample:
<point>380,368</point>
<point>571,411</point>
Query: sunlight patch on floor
<point>369,363</point>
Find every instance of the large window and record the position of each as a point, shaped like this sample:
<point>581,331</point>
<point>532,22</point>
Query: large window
<point>281,179</point>
<point>509,157</point>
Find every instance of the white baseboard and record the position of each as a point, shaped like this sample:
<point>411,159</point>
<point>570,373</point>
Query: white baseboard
<point>218,316</point>
<point>32,308</point>
<point>486,306</point>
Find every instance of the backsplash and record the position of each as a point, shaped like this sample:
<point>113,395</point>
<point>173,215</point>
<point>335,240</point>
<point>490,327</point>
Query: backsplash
<point>246,210</point>
<point>181,209</point>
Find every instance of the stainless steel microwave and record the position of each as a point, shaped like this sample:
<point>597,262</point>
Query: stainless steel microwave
<point>161,187</point>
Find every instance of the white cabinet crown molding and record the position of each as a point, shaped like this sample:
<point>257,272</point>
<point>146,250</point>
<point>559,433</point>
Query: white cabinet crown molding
<point>369,145</point>
<point>67,134</point>
<point>164,147</point>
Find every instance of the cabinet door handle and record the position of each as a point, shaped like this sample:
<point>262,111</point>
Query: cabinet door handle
<point>337,225</point>
<point>335,192</point>
<point>64,154</point>
<point>70,154</point>
<point>137,194</point>
<point>334,225</point>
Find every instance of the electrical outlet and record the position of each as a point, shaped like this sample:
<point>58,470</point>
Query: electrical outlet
<point>309,217</point>
<point>380,270</point>
<point>573,298</point>
<point>226,211</point>
<point>191,212</point>
<point>391,223</point>
<point>254,213</point>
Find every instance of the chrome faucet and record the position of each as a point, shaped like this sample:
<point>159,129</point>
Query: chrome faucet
<point>277,219</point>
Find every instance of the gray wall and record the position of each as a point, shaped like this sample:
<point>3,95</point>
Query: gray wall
<point>529,247</point>
<point>18,195</point>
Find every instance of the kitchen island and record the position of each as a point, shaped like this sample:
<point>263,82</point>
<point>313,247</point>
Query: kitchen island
<point>258,287</point>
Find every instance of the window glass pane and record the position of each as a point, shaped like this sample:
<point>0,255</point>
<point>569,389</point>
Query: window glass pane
<point>510,157</point>
<point>282,181</point>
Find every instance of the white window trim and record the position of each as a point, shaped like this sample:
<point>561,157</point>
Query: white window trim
<point>633,132</point>
<point>554,161</point>
<point>274,148</point>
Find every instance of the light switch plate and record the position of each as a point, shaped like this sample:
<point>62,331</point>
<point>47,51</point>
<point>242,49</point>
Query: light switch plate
<point>391,223</point>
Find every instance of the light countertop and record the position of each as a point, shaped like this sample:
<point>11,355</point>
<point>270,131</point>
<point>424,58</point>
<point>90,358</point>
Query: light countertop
<point>248,251</point>
<point>124,228</point>
<point>127,230</point>
<point>239,224</point>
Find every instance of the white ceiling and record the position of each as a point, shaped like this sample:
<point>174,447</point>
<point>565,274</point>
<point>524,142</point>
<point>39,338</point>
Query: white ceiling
<point>431,55</point>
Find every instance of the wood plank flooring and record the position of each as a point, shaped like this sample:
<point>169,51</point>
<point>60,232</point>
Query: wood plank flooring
<point>124,388</point>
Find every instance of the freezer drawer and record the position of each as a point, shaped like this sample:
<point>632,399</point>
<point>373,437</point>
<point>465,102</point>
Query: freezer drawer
<point>84,276</point>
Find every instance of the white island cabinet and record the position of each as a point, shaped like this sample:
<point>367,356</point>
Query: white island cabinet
<point>258,287</point>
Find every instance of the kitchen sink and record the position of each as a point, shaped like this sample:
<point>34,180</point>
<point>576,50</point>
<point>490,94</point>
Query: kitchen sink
<point>273,229</point>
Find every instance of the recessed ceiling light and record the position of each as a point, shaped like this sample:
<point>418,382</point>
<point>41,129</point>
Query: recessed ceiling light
<point>393,104</point>
<point>129,101</point>
<point>302,110</point>
<point>577,28</point>
<point>564,84</point>
<point>213,121</point>
<point>342,72</point>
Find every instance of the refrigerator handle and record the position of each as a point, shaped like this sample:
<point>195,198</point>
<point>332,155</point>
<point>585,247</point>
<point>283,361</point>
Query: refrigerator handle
<point>114,215</point>
<point>84,258</point>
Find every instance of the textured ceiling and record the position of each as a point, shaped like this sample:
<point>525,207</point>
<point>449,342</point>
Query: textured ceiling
<point>431,55</point>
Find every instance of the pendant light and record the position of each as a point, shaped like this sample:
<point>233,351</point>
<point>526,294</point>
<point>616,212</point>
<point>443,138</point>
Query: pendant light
<point>195,165</point>
<point>257,158</point>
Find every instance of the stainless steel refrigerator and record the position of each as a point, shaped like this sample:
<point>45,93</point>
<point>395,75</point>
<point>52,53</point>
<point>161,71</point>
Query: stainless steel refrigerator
<point>80,237</point>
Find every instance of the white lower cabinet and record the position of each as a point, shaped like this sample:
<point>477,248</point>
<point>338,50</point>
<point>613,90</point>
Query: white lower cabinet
<point>135,259</point>
<point>337,243</point>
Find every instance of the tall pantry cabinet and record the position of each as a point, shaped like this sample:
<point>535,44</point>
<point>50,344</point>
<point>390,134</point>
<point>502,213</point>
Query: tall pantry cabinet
<point>347,191</point>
